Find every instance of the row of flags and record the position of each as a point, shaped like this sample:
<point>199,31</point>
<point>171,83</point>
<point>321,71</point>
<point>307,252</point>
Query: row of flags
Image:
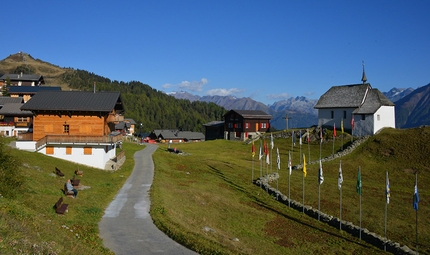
<point>359,187</point>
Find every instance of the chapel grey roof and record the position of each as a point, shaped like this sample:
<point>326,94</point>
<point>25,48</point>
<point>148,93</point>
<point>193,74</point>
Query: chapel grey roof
<point>252,114</point>
<point>30,89</point>
<point>374,100</point>
<point>345,96</point>
<point>7,100</point>
<point>73,101</point>
<point>14,109</point>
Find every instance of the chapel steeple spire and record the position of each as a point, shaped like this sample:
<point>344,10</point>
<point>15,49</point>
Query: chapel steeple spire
<point>363,77</point>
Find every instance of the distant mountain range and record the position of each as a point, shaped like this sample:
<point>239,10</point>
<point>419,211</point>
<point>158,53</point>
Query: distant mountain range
<point>412,107</point>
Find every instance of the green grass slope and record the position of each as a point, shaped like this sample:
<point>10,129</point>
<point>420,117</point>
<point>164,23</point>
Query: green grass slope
<point>205,198</point>
<point>29,223</point>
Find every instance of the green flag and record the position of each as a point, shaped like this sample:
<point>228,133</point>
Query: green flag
<point>359,186</point>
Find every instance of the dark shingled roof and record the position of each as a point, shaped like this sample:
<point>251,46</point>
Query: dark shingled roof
<point>14,109</point>
<point>347,96</point>
<point>7,100</point>
<point>29,89</point>
<point>360,96</point>
<point>73,101</point>
<point>252,114</point>
<point>21,77</point>
<point>374,100</point>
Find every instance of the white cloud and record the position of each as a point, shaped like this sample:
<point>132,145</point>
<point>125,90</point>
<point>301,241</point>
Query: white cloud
<point>223,92</point>
<point>278,96</point>
<point>167,86</point>
<point>195,86</point>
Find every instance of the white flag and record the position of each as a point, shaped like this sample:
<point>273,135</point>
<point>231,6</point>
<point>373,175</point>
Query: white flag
<point>290,166</point>
<point>278,158</point>
<point>320,174</point>
<point>340,179</point>
<point>261,152</point>
<point>271,141</point>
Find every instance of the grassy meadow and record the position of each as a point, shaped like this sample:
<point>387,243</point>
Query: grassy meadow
<point>205,198</point>
<point>29,223</point>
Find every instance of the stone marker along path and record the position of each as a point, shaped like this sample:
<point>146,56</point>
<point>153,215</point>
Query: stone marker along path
<point>127,227</point>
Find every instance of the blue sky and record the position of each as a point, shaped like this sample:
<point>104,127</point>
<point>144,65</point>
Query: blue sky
<point>266,50</point>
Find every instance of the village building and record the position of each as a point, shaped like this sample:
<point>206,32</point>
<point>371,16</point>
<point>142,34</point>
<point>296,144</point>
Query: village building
<point>176,136</point>
<point>74,125</point>
<point>13,121</point>
<point>359,108</point>
<point>244,124</point>
<point>214,130</point>
<point>22,80</point>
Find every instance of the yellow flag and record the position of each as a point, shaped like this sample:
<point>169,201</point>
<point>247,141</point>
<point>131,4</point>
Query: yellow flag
<point>341,125</point>
<point>304,165</point>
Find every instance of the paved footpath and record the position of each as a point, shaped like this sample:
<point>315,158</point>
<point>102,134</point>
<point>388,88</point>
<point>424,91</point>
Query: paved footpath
<point>127,227</point>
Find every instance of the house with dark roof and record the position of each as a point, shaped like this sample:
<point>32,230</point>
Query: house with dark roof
<point>361,109</point>
<point>22,79</point>
<point>13,121</point>
<point>244,124</point>
<point>75,125</point>
<point>176,136</point>
<point>26,92</point>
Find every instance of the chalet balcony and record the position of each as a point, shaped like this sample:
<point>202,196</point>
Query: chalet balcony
<point>74,139</point>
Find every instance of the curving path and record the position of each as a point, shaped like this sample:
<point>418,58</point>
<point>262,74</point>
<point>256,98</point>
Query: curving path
<point>127,227</point>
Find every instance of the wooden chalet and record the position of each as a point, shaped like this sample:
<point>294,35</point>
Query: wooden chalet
<point>13,121</point>
<point>176,136</point>
<point>74,125</point>
<point>244,124</point>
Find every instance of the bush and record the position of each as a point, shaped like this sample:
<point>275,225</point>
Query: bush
<point>11,177</point>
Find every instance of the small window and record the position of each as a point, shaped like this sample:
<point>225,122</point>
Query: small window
<point>230,125</point>
<point>88,151</point>
<point>239,125</point>
<point>66,129</point>
<point>263,125</point>
<point>363,117</point>
<point>332,114</point>
<point>246,125</point>
<point>344,114</point>
<point>378,117</point>
<point>49,150</point>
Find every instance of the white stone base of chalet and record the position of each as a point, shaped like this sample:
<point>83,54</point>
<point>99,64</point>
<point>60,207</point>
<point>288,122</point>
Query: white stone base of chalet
<point>100,156</point>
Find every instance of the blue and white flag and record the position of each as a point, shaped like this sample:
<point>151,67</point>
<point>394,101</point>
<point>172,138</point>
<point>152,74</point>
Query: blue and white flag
<point>387,190</point>
<point>278,158</point>
<point>416,198</point>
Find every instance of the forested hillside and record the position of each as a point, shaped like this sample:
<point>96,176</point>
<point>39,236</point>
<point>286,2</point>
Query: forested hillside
<point>153,108</point>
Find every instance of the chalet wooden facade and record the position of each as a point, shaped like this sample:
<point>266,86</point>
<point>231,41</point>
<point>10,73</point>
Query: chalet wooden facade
<point>244,124</point>
<point>76,126</point>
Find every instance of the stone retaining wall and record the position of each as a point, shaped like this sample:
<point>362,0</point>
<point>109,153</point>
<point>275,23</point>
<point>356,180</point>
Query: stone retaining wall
<point>349,227</point>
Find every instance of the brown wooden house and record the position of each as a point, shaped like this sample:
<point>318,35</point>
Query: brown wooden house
<point>75,125</point>
<point>244,124</point>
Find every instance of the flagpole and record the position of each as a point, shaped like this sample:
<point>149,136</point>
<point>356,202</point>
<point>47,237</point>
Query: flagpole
<point>319,188</point>
<point>340,217</point>
<point>360,202</point>
<point>386,208</point>
<point>303,180</point>
<point>300,143</point>
<point>252,169</point>
<point>416,213</point>
<point>309,148</point>
<point>289,177</point>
